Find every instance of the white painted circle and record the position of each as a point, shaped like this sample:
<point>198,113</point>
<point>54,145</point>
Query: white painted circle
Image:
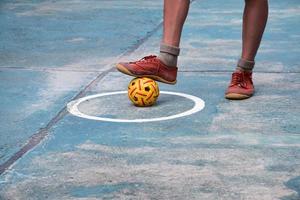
<point>199,104</point>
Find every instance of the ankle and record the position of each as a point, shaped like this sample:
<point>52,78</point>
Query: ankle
<point>245,65</point>
<point>169,54</point>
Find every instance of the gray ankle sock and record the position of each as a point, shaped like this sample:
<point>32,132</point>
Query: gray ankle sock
<point>245,65</point>
<point>169,54</point>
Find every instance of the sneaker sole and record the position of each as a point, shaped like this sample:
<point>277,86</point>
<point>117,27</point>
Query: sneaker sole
<point>124,70</point>
<point>236,96</point>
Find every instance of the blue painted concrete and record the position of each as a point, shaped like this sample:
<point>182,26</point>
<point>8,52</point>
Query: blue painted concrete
<point>60,33</point>
<point>29,100</point>
<point>97,191</point>
<point>294,184</point>
<point>213,151</point>
<point>39,36</point>
<point>231,150</point>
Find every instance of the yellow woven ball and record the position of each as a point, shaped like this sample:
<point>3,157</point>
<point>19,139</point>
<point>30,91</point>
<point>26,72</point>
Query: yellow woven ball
<point>143,91</point>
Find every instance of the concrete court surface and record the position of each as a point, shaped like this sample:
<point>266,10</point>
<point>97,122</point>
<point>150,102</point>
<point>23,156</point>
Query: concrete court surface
<point>53,52</point>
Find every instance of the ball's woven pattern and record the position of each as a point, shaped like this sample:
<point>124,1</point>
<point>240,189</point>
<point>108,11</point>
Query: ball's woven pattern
<point>143,91</point>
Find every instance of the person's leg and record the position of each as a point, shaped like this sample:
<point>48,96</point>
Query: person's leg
<point>164,67</point>
<point>254,22</point>
<point>175,12</point>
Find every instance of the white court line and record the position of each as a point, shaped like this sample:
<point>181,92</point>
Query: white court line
<point>199,104</point>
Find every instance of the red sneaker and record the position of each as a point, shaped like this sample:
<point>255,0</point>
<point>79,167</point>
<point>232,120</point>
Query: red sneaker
<point>241,86</point>
<point>151,67</point>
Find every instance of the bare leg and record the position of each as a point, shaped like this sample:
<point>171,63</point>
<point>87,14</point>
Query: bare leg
<point>175,12</point>
<point>254,22</point>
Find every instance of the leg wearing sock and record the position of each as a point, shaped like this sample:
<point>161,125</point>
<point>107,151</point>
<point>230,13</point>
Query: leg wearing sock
<point>254,23</point>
